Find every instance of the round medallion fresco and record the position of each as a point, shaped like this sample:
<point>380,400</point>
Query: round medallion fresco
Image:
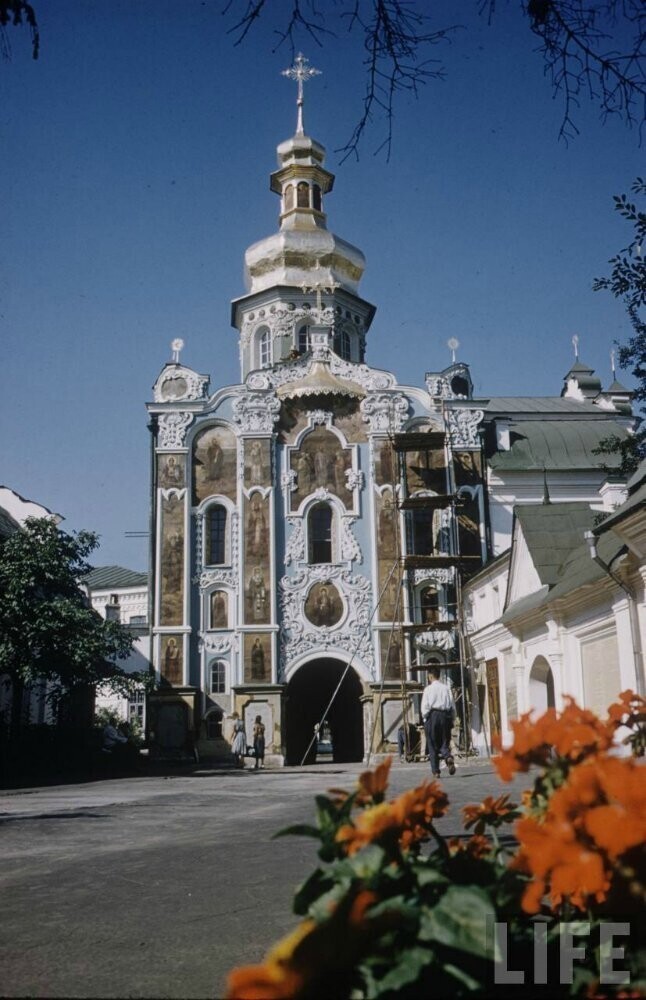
<point>323,606</point>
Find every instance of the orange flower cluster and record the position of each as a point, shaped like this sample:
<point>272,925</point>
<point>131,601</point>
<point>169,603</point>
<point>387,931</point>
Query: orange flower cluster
<point>373,784</point>
<point>476,846</point>
<point>313,960</point>
<point>574,734</point>
<point>276,978</point>
<point>406,820</point>
<point>490,812</point>
<point>590,822</point>
<point>629,710</point>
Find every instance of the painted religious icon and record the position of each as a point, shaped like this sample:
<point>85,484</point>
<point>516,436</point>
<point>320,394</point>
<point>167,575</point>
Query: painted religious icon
<point>219,607</point>
<point>321,462</point>
<point>256,529</point>
<point>323,606</point>
<point>391,656</point>
<point>171,471</point>
<point>172,561</point>
<point>257,659</point>
<point>257,596</point>
<point>172,661</point>
<point>385,466</point>
<point>214,464</point>
<point>257,462</point>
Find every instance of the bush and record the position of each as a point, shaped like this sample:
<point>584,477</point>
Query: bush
<point>383,919</point>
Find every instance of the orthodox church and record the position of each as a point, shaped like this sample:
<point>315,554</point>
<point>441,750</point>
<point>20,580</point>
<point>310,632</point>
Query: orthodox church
<point>314,526</point>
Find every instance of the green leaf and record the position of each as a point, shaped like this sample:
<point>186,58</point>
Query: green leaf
<point>461,920</point>
<point>368,861</point>
<point>406,970</point>
<point>318,883</point>
<point>425,875</point>
<point>298,830</point>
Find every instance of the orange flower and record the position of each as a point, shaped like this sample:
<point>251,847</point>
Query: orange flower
<point>573,735</point>
<point>263,982</point>
<point>373,784</point>
<point>490,812</point>
<point>590,822</point>
<point>476,846</point>
<point>362,902</point>
<point>630,705</point>
<point>406,820</point>
<point>276,978</point>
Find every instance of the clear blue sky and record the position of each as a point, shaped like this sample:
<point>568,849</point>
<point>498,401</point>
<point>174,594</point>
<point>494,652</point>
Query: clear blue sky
<point>134,165</point>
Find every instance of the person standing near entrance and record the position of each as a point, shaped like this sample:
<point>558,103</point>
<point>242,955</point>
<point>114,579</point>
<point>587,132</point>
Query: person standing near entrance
<point>437,714</point>
<point>239,745</point>
<point>259,742</point>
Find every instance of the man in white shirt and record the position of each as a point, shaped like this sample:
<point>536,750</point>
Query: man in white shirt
<point>438,710</point>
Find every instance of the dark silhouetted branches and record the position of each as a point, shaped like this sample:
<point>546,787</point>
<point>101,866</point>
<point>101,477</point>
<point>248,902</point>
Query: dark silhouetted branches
<point>16,13</point>
<point>592,50</point>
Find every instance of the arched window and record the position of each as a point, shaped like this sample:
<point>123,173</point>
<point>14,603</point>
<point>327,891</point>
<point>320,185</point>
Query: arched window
<point>216,528</point>
<point>320,533</point>
<point>289,197</point>
<point>263,338</point>
<point>303,195</point>
<point>342,345</point>
<point>429,605</point>
<point>218,677</point>
<point>316,197</point>
<point>460,386</point>
<point>303,339</point>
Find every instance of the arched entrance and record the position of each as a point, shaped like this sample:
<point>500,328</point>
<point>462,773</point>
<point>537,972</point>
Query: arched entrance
<point>306,698</point>
<point>541,686</point>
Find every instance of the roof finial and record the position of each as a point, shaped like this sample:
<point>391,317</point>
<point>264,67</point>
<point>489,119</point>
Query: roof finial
<point>176,346</point>
<point>453,343</point>
<point>575,344</point>
<point>300,72</point>
<point>612,363</point>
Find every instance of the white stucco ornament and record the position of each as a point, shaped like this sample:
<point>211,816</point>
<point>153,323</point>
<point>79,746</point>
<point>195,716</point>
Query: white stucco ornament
<point>385,412</point>
<point>177,383</point>
<point>463,426</point>
<point>256,413</point>
<point>298,636</point>
<point>172,429</point>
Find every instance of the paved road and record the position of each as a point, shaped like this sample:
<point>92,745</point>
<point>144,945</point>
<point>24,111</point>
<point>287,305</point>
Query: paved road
<point>156,887</point>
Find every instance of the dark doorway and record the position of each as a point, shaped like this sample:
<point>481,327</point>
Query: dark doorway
<point>306,699</point>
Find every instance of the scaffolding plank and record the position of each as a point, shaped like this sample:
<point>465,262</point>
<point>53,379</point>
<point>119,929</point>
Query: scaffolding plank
<point>431,441</point>
<point>430,627</point>
<point>427,503</point>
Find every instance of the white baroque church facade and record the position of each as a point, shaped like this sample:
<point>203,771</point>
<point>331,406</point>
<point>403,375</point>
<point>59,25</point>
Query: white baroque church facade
<point>313,525</point>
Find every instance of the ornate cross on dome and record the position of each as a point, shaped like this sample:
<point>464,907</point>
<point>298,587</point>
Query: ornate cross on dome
<point>176,346</point>
<point>318,286</point>
<point>300,72</point>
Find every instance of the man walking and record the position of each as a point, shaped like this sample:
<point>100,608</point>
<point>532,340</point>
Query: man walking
<point>437,714</point>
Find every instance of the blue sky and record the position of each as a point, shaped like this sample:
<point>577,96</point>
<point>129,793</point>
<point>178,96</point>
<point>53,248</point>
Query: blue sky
<point>134,166</point>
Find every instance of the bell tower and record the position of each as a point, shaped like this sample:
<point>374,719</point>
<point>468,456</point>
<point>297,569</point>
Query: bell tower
<point>303,278</point>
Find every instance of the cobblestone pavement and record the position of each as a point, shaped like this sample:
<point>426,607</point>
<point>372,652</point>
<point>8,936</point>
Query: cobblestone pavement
<point>157,886</point>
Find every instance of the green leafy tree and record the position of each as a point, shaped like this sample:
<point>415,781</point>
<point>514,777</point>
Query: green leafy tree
<point>48,631</point>
<point>627,282</point>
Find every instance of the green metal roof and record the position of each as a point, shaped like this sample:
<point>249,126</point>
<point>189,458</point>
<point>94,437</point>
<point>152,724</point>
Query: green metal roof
<point>555,538</point>
<point>552,531</point>
<point>114,578</point>
<point>557,444</point>
<point>554,405</point>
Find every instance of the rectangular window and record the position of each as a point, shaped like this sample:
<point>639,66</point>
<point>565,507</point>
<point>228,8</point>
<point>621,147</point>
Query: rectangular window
<point>216,522</point>
<point>218,678</point>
